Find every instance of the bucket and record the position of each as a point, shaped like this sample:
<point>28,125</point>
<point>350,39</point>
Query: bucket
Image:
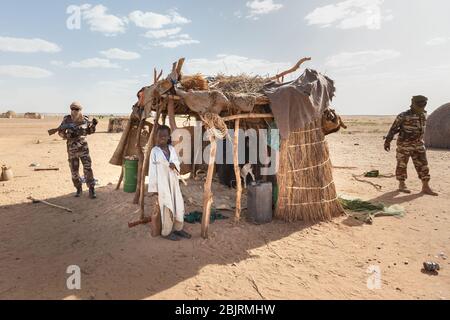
<point>259,202</point>
<point>130,176</point>
<point>7,174</point>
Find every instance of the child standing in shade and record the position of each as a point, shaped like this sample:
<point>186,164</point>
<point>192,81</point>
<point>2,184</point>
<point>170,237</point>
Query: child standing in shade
<point>164,169</point>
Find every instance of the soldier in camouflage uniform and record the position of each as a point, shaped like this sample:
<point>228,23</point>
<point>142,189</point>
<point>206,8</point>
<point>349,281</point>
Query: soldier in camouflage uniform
<point>74,128</point>
<point>410,125</point>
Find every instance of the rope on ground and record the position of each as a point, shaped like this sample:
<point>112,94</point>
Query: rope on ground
<point>376,186</point>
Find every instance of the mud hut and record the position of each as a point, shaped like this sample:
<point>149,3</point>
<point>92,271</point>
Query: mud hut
<point>8,115</point>
<point>306,187</point>
<point>33,115</point>
<point>117,125</point>
<point>437,132</point>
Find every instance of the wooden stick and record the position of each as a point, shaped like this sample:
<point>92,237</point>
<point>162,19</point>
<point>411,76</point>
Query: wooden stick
<point>207,194</point>
<point>140,163</point>
<point>120,178</point>
<point>198,151</point>
<point>138,222</point>
<point>49,204</point>
<point>124,155</point>
<point>291,70</point>
<point>180,66</point>
<point>159,76</point>
<point>46,169</point>
<point>237,171</point>
<point>248,116</point>
<point>143,173</point>
<point>171,114</point>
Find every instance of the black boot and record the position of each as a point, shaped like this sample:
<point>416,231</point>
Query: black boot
<point>79,192</point>
<point>92,193</point>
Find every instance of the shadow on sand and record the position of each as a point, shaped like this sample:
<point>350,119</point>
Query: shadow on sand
<point>40,242</point>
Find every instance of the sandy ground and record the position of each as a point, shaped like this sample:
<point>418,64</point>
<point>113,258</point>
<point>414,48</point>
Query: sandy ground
<point>273,261</point>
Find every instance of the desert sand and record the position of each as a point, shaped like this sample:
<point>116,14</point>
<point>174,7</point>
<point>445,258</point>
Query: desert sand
<point>245,261</point>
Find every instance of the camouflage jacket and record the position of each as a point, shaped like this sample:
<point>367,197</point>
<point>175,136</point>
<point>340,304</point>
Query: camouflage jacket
<point>409,126</point>
<point>78,132</point>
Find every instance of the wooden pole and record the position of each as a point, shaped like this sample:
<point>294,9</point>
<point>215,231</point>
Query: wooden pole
<point>120,179</point>
<point>171,114</point>
<point>207,193</point>
<point>291,70</point>
<point>140,163</point>
<point>127,143</point>
<point>150,144</point>
<point>49,204</point>
<point>237,171</point>
<point>248,116</point>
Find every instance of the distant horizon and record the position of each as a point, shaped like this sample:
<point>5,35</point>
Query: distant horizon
<point>50,114</point>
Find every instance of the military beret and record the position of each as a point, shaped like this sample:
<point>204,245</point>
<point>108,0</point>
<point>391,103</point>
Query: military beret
<point>419,98</point>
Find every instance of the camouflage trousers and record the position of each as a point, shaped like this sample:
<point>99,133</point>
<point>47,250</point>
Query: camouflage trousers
<point>419,157</point>
<point>79,151</point>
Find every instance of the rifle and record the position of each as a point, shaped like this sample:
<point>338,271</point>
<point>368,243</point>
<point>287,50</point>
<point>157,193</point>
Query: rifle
<point>66,126</point>
<point>71,126</point>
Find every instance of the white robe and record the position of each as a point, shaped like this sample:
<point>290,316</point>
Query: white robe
<point>165,182</point>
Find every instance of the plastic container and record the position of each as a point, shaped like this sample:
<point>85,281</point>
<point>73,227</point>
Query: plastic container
<point>130,176</point>
<point>259,203</point>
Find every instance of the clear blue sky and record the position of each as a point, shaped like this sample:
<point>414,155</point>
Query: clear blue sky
<point>380,53</point>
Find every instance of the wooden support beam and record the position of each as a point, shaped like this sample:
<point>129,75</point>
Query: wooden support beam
<point>171,96</point>
<point>143,173</point>
<point>248,116</point>
<point>237,171</point>
<point>207,193</point>
<point>180,65</point>
<point>127,143</point>
<point>140,163</point>
<point>171,114</point>
<point>291,70</point>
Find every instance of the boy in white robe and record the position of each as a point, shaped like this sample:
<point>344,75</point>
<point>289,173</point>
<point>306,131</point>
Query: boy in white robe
<point>164,169</point>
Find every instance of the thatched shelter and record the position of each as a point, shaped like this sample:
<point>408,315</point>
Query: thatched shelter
<point>306,188</point>
<point>437,132</point>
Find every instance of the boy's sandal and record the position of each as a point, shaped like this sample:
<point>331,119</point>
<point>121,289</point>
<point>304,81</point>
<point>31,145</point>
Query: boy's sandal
<point>172,237</point>
<point>182,234</point>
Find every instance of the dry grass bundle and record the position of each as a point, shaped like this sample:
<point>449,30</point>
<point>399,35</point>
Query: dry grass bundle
<point>305,179</point>
<point>194,82</point>
<point>239,84</point>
